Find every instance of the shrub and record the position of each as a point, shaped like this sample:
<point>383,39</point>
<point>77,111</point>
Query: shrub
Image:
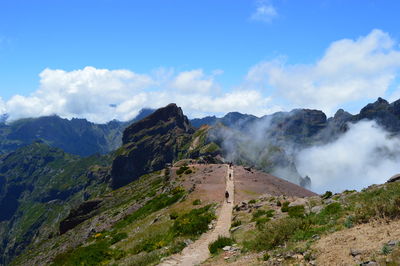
<point>258,213</point>
<point>348,223</point>
<point>196,202</point>
<point>188,171</point>
<point>93,254</point>
<point>173,215</point>
<point>285,206</point>
<point>157,203</point>
<point>236,223</point>
<point>278,203</point>
<point>386,249</point>
<point>118,237</point>
<point>276,232</point>
<point>154,241</point>
<point>194,222</point>
<point>296,211</point>
<point>252,201</point>
<point>266,257</point>
<point>219,244</point>
<point>327,195</point>
<point>182,169</point>
<point>261,220</point>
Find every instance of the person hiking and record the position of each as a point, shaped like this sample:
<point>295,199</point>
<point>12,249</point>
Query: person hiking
<point>227,196</point>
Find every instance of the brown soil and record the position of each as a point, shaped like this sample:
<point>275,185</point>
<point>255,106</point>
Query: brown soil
<point>334,249</point>
<point>250,184</point>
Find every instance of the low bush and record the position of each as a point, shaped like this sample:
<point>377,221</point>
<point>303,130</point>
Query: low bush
<point>285,206</point>
<point>218,244</point>
<point>196,202</point>
<point>118,237</point>
<point>182,169</point>
<point>258,213</point>
<point>327,195</point>
<point>194,222</point>
<point>188,171</point>
<point>157,203</point>
<point>296,211</point>
<point>236,223</point>
<point>252,201</point>
<point>93,254</point>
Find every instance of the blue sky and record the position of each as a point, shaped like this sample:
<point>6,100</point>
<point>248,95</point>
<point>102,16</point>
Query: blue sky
<point>192,52</point>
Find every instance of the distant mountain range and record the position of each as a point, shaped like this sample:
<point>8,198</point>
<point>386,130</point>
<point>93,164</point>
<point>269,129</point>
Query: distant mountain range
<point>75,136</point>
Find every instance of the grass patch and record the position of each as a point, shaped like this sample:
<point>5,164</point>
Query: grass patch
<point>194,222</point>
<point>157,203</point>
<point>218,244</point>
<point>196,202</point>
<point>93,254</point>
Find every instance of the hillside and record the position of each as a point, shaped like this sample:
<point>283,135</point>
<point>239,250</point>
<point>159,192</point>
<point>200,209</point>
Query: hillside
<point>132,227</point>
<point>75,136</point>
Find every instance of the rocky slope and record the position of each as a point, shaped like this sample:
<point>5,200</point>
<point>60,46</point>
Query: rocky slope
<point>38,187</point>
<point>161,138</point>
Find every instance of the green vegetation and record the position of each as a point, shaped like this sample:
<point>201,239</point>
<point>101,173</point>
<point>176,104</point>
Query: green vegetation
<point>157,203</point>
<point>327,195</point>
<point>182,169</point>
<point>252,201</point>
<point>285,206</point>
<point>236,223</point>
<point>196,202</point>
<point>218,244</point>
<point>296,211</point>
<point>194,222</point>
<point>92,254</point>
<point>381,202</point>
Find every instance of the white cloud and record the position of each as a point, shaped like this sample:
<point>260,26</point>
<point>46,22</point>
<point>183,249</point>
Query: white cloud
<point>265,11</point>
<point>350,70</point>
<point>101,95</point>
<point>193,81</point>
<point>364,155</point>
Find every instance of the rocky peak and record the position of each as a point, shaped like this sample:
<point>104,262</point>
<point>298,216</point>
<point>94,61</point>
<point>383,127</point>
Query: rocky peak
<point>151,143</point>
<point>159,122</point>
<point>342,115</point>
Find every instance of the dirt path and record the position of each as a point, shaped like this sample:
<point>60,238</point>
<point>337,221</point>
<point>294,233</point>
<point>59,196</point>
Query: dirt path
<point>198,252</point>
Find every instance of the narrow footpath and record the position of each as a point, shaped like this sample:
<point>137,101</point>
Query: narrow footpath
<point>198,252</point>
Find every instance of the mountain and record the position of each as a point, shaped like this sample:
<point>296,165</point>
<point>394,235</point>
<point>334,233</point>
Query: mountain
<point>162,137</point>
<point>38,186</point>
<point>75,136</point>
<point>232,119</point>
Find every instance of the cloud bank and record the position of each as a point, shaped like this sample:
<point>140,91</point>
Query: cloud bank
<point>364,155</point>
<point>101,95</point>
<point>350,71</point>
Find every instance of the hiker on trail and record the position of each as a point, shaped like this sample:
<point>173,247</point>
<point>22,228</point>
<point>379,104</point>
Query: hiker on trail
<point>227,196</point>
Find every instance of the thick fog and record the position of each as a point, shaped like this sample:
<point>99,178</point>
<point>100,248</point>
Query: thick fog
<point>366,154</point>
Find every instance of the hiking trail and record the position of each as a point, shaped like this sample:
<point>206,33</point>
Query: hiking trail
<point>197,252</point>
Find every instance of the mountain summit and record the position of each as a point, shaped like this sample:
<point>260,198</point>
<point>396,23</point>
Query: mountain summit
<point>151,143</point>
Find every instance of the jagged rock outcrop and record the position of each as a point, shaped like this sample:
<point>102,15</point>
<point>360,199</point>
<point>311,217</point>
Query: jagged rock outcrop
<point>85,211</point>
<point>151,143</point>
<point>385,114</point>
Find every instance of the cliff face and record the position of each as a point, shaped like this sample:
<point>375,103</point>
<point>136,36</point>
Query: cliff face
<point>151,143</point>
